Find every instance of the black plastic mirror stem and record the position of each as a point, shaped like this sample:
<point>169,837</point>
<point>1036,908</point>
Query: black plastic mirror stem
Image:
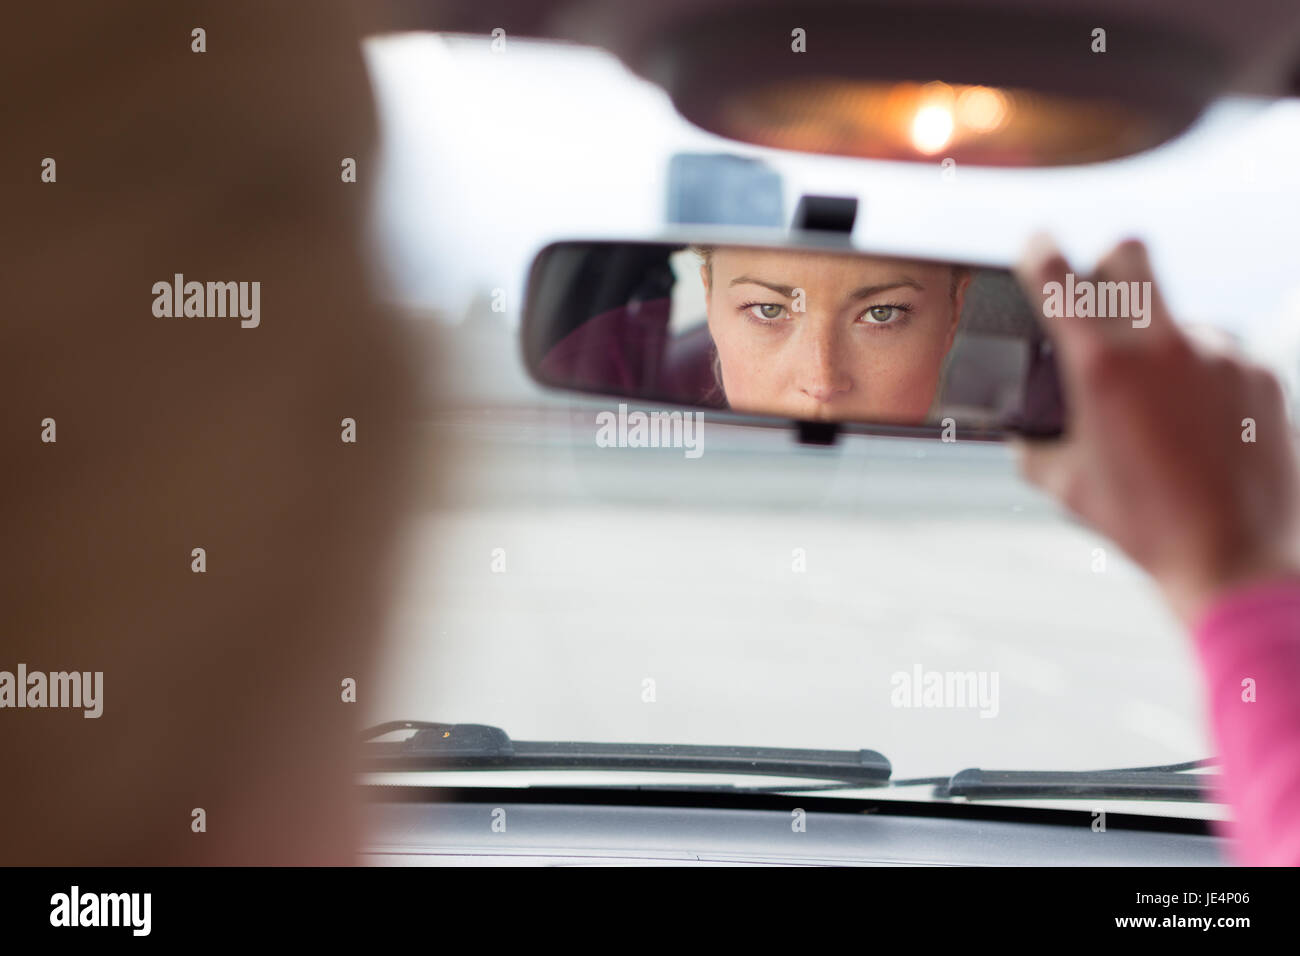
<point>817,433</point>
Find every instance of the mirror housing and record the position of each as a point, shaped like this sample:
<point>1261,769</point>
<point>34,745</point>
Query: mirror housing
<point>882,344</point>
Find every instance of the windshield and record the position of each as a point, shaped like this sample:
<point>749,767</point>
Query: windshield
<point>908,596</point>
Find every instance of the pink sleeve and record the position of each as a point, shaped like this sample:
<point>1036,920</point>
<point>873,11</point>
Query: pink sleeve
<point>1249,645</point>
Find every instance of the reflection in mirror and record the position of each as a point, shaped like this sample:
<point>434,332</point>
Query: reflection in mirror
<point>799,333</point>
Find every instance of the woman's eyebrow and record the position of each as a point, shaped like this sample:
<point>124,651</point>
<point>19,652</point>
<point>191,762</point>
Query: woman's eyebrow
<point>863,292</point>
<point>785,290</point>
<point>866,291</point>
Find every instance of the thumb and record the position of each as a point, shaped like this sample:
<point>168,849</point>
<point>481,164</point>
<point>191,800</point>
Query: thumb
<point>1050,466</point>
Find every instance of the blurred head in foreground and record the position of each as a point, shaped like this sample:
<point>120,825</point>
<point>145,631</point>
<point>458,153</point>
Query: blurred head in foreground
<point>185,516</point>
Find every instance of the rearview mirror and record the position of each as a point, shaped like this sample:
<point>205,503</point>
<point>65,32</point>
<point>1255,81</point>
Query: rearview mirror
<point>805,333</point>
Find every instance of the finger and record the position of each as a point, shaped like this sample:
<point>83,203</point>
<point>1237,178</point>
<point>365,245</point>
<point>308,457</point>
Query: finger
<point>1042,272</point>
<point>1124,278</point>
<point>1054,468</point>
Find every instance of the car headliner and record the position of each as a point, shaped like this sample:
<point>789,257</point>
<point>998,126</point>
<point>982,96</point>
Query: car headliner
<point>1258,40</point>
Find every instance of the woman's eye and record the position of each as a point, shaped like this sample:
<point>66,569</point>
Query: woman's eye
<point>882,314</point>
<point>767,311</point>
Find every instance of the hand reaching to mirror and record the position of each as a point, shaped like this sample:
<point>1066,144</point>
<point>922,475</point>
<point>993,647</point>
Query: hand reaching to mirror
<point>1180,454</point>
<point>1183,456</point>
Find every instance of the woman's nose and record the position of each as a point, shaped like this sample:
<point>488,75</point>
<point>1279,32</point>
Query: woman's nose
<point>821,374</point>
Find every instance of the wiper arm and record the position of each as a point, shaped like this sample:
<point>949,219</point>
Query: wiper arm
<point>1168,782</point>
<point>436,746</point>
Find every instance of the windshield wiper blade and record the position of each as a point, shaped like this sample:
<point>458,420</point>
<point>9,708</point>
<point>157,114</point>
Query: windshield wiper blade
<point>1169,782</point>
<point>437,746</point>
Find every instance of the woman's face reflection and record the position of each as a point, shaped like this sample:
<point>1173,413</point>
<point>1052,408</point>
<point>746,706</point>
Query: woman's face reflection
<point>865,340</point>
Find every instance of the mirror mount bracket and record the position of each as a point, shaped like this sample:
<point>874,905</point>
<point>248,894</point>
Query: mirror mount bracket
<point>835,214</point>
